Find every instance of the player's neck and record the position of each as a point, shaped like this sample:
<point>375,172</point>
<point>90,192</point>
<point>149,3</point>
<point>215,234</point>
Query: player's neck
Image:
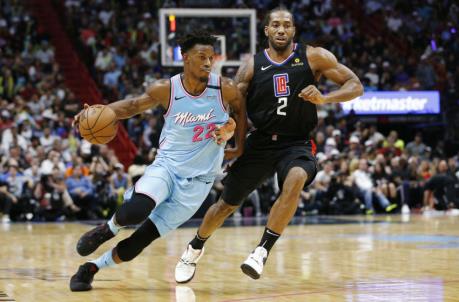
<point>192,85</point>
<point>280,55</point>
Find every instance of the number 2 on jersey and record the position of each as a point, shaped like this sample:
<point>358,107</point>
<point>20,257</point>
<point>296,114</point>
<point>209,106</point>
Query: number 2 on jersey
<point>198,130</point>
<point>282,104</point>
<point>282,91</point>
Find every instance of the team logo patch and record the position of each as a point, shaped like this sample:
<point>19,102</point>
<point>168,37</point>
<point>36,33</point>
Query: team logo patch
<point>280,85</point>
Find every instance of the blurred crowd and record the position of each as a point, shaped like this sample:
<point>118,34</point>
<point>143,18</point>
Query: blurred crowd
<point>48,173</point>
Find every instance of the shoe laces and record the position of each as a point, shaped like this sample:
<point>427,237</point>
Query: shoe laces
<point>190,256</point>
<point>260,255</point>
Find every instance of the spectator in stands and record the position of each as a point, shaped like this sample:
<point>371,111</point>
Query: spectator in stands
<point>53,197</point>
<point>439,190</point>
<point>120,182</point>
<point>382,176</point>
<point>323,178</point>
<point>48,138</point>
<point>320,142</point>
<point>354,149</point>
<point>340,196</point>
<point>81,190</point>
<point>416,147</point>
<point>7,199</point>
<point>367,191</point>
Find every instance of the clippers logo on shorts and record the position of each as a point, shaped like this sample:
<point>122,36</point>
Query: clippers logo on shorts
<point>280,85</point>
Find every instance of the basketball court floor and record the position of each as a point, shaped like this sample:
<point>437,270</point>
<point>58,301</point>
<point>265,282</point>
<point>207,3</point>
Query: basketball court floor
<point>381,258</point>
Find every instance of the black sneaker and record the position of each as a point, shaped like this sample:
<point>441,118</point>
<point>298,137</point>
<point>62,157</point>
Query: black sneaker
<point>90,241</point>
<point>82,280</point>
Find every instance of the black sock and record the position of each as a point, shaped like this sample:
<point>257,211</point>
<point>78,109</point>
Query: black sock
<point>198,243</point>
<point>268,239</point>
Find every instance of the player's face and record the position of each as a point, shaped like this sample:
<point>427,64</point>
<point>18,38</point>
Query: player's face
<point>280,30</point>
<point>198,61</point>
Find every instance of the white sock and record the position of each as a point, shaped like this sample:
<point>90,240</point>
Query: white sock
<point>106,260</point>
<point>113,226</point>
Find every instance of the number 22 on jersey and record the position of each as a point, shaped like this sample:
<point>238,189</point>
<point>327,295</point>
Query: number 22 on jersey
<point>281,91</point>
<point>198,130</point>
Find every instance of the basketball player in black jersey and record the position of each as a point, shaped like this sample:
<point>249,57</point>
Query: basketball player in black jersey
<point>281,98</point>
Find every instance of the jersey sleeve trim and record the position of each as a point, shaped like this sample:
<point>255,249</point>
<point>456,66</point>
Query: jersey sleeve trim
<point>171,97</point>
<point>220,94</point>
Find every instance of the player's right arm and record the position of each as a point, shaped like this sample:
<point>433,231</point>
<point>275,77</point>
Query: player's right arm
<point>242,81</point>
<point>244,76</point>
<point>157,94</point>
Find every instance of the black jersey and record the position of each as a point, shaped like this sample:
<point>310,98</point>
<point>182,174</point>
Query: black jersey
<point>273,104</point>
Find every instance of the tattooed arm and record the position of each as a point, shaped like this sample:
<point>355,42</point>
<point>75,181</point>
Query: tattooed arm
<point>234,94</point>
<point>157,94</point>
<point>232,97</point>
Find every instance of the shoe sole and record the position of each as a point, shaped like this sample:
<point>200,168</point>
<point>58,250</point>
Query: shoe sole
<point>250,271</point>
<point>186,281</point>
<point>80,287</point>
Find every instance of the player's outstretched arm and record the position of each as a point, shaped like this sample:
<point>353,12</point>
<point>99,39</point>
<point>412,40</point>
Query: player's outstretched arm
<point>232,96</point>
<point>324,63</point>
<point>157,94</point>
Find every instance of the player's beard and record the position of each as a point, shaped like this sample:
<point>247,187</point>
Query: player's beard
<point>277,47</point>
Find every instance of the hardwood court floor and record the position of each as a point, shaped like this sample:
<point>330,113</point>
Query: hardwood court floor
<point>358,259</point>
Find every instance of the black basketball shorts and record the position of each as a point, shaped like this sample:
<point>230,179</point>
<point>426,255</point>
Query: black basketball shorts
<point>263,156</point>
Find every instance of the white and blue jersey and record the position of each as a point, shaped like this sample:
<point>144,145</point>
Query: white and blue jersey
<point>188,159</point>
<point>186,143</point>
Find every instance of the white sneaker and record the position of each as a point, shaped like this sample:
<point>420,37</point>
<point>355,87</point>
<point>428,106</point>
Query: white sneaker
<point>253,265</point>
<point>6,218</point>
<point>405,209</point>
<point>186,267</point>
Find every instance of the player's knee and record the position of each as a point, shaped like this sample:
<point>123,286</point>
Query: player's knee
<point>135,211</point>
<point>225,209</point>
<point>296,177</point>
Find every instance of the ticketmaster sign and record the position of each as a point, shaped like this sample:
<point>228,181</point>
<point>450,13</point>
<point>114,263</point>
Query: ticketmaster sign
<point>395,102</point>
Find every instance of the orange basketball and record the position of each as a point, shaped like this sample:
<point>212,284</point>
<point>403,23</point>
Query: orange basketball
<point>98,124</point>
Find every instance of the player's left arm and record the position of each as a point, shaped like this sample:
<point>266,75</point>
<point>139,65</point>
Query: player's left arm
<point>323,62</point>
<point>233,98</point>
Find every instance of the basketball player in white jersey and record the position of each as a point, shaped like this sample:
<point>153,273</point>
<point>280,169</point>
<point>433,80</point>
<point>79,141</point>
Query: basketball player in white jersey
<point>191,152</point>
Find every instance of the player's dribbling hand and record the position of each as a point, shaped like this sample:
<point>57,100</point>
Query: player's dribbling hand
<point>224,133</point>
<point>76,118</point>
<point>313,95</point>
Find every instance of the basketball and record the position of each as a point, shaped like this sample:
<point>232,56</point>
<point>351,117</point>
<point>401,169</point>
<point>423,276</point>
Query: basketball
<point>98,124</point>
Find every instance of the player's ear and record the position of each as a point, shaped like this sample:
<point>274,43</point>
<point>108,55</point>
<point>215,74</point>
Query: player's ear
<point>266,30</point>
<point>185,57</point>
